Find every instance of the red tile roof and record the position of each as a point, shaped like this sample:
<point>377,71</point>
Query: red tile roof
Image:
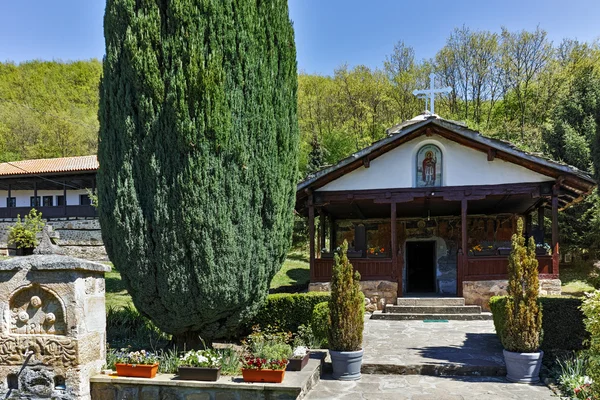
<point>49,166</point>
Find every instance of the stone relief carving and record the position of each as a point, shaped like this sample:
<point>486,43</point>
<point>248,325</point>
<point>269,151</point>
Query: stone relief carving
<point>45,350</point>
<point>35,310</point>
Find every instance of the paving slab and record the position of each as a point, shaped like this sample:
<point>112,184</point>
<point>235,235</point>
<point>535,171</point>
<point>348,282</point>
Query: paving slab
<point>415,387</point>
<point>432,348</point>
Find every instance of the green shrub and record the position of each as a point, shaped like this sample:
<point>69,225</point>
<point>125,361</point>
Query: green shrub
<point>24,233</point>
<point>562,323</point>
<point>289,311</point>
<point>591,310</point>
<point>126,327</point>
<point>346,305</point>
<point>320,323</point>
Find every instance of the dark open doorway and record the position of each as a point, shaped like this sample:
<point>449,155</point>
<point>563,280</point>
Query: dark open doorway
<point>420,267</point>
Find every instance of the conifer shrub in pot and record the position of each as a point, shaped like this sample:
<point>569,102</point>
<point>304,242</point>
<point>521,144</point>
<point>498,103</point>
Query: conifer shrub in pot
<point>346,318</point>
<point>523,328</point>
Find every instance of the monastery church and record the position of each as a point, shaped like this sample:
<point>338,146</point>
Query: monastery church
<point>429,211</point>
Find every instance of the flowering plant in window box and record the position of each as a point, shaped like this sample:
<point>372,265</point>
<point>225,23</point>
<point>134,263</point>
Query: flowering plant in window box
<point>266,357</point>
<point>480,250</point>
<point>376,252</point>
<point>140,364</point>
<point>200,365</point>
<point>299,358</point>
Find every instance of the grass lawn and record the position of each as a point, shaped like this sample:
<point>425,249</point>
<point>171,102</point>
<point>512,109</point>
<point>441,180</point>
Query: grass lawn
<point>574,278</point>
<point>294,273</point>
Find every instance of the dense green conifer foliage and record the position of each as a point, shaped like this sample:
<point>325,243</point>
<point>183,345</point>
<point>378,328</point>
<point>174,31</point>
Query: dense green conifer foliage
<point>523,329</point>
<point>346,305</point>
<point>198,153</point>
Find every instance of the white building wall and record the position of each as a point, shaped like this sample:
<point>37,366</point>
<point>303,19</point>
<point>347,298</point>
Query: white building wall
<point>23,196</point>
<point>462,166</point>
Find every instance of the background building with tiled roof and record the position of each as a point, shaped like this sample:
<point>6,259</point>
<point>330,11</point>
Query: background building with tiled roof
<point>60,188</point>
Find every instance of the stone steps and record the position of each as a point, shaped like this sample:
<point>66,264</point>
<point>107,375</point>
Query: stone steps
<point>434,317</point>
<point>430,301</point>
<point>432,309</point>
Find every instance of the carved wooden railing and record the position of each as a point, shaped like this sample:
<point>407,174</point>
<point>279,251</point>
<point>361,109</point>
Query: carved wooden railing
<point>486,268</point>
<point>369,268</point>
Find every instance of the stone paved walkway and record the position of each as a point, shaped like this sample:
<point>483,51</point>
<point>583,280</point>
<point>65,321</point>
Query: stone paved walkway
<point>416,387</point>
<point>436,348</point>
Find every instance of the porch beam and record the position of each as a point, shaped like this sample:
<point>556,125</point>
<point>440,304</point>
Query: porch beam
<point>311,237</point>
<point>356,209</point>
<point>463,259</point>
<point>454,193</point>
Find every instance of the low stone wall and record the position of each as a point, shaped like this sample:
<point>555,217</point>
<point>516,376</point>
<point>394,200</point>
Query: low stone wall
<point>479,292</point>
<point>78,237</point>
<point>377,293</point>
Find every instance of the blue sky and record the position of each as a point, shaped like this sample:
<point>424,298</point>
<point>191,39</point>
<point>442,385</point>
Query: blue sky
<point>328,32</point>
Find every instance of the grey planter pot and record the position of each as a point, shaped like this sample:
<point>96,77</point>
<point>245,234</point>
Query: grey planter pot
<point>523,367</point>
<point>346,364</point>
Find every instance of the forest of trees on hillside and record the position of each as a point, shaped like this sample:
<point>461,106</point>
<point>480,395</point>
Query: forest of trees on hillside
<point>517,86</point>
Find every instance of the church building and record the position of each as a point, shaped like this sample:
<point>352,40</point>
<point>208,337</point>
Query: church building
<point>430,211</point>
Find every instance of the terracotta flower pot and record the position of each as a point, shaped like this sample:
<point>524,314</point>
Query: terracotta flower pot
<point>296,364</point>
<point>199,373</point>
<point>137,370</point>
<point>263,375</point>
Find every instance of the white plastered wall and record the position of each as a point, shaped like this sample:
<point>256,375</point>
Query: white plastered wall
<point>23,196</point>
<point>462,166</point>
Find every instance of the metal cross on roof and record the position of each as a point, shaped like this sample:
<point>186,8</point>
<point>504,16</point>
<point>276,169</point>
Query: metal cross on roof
<point>431,92</point>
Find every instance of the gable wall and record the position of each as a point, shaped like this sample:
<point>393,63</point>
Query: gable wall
<point>462,166</point>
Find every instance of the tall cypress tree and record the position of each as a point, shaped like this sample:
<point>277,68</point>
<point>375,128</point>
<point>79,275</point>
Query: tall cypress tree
<point>198,156</point>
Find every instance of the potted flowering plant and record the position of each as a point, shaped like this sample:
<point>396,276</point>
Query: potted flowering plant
<point>376,251</point>
<point>542,249</point>
<point>299,358</point>
<point>266,356</point>
<point>480,250</point>
<point>200,365</point>
<point>139,364</point>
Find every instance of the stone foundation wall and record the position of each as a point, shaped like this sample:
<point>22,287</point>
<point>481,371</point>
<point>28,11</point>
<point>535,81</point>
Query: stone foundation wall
<point>78,237</point>
<point>479,292</point>
<point>377,293</point>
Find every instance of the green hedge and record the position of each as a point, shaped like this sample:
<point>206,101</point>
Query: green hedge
<point>288,311</point>
<point>562,322</point>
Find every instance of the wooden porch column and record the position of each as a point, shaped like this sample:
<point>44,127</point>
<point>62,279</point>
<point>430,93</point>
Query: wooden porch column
<point>541,222</point>
<point>311,236</point>
<point>331,234</point>
<point>397,273</point>
<point>35,202</point>
<point>9,196</point>
<point>555,246</point>
<point>462,260</point>
<point>528,225</point>
<point>321,231</point>
<point>65,197</point>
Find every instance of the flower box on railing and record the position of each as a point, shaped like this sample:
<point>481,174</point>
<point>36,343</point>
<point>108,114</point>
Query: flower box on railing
<point>137,370</point>
<point>263,375</point>
<point>199,373</point>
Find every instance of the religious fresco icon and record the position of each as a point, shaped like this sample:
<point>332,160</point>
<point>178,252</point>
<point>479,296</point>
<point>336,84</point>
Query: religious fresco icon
<point>429,166</point>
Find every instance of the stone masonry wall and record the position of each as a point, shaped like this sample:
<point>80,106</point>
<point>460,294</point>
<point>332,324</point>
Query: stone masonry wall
<point>78,237</point>
<point>377,293</point>
<point>480,292</point>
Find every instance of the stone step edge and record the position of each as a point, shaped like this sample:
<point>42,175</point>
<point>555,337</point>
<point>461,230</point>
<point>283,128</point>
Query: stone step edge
<point>428,301</point>
<point>389,309</point>
<point>447,369</point>
<point>379,315</point>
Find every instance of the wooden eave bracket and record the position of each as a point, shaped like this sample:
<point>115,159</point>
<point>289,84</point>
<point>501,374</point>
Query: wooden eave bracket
<point>366,162</point>
<point>491,154</point>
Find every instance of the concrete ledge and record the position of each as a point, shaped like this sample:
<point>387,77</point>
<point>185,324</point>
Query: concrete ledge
<point>295,385</point>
